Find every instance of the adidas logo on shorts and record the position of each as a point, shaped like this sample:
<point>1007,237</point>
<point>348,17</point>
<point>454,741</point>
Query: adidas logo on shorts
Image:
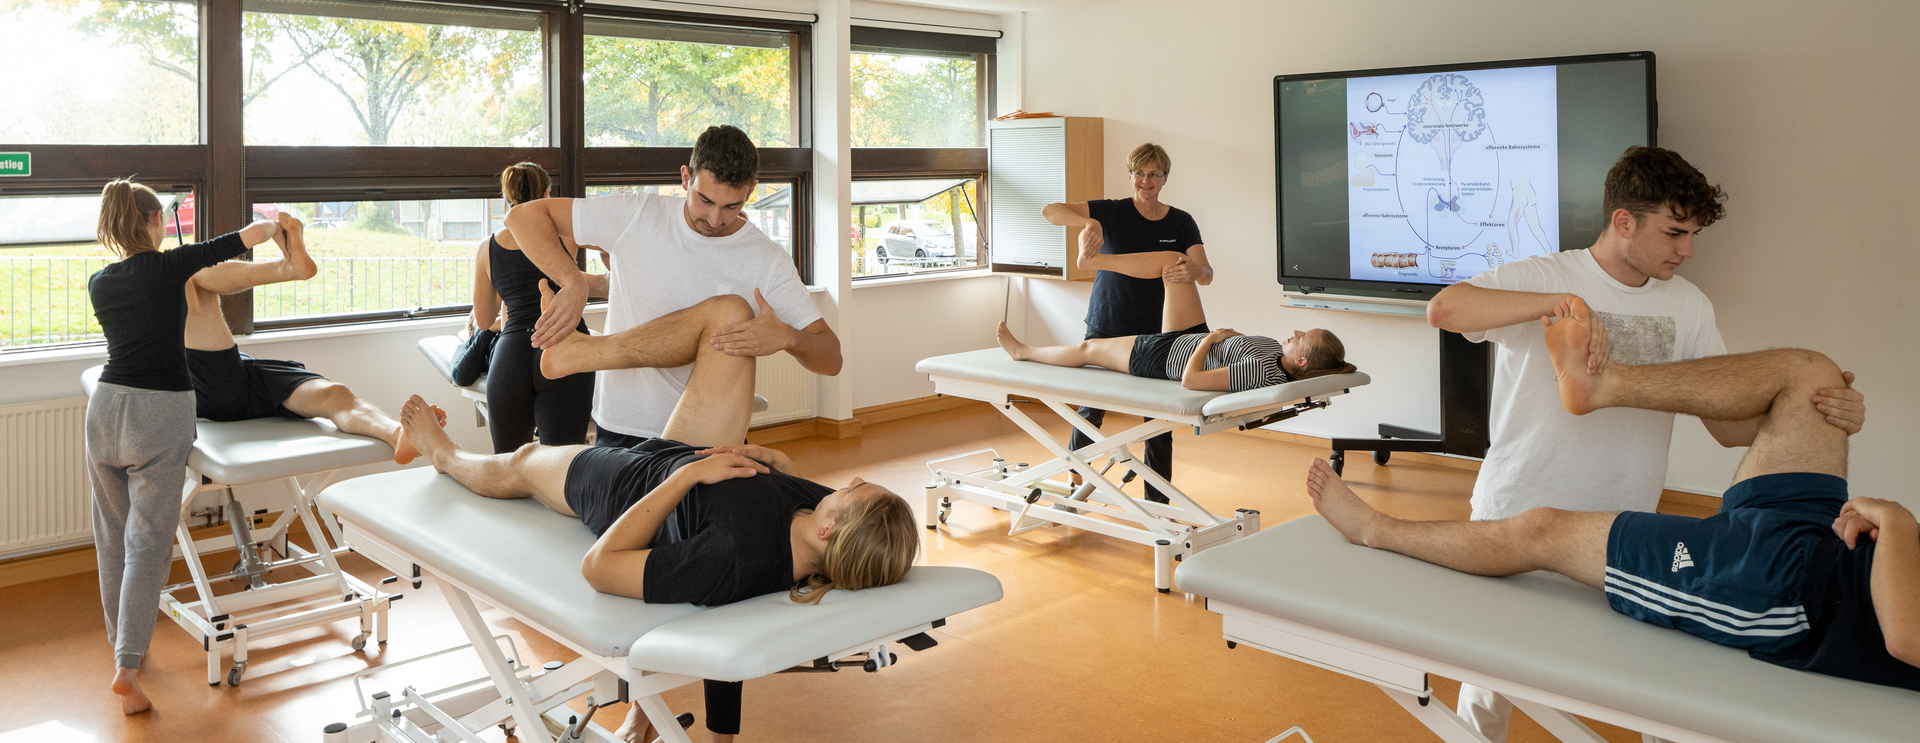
<point>1681,558</point>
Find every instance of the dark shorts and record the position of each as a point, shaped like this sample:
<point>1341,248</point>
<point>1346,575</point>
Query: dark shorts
<point>616,439</point>
<point>1150,351</point>
<point>1737,578</point>
<point>604,481</point>
<point>231,386</point>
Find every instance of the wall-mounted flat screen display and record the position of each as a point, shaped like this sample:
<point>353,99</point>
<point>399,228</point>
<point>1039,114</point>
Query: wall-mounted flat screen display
<point>1406,180</point>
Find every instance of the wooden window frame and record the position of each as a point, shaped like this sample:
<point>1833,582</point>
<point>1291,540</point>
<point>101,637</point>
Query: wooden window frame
<point>227,176</point>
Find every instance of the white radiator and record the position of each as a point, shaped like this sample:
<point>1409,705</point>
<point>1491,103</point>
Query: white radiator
<point>44,493</point>
<point>788,387</point>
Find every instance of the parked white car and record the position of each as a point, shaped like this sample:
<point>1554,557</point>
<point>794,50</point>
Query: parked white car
<point>915,238</point>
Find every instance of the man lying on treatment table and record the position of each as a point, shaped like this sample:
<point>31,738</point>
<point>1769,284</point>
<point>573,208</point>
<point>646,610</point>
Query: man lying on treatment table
<point>1790,570</point>
<point>693,516</point>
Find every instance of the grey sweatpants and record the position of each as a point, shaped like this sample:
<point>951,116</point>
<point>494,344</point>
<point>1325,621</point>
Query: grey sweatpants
<point>137,446</point>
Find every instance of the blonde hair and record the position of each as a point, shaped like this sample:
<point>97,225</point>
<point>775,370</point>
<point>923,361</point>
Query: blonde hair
<point>126,211</point>
<point>874,542</point>
<point>1329,356</point>
<point>524,182</point>
<point>1149,153</point>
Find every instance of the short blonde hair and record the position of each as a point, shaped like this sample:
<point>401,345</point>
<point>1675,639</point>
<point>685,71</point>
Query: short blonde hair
<point>874,543</point>
<point>1149,153</point>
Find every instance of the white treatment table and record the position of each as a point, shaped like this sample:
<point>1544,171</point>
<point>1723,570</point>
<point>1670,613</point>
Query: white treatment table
<point>1551,645</point>
<point>226,455</point>
<point>440,349</point>
<point>524,559</point>
<point>1177,530</point>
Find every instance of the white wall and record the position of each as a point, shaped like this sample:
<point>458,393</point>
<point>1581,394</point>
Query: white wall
<point>902,323</point>
<point>1799,110</point>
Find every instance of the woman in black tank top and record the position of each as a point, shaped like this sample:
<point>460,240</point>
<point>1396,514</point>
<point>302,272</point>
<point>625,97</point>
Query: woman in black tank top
<point>521,402</point>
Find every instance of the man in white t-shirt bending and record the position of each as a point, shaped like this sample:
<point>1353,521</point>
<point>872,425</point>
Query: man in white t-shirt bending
<point>1612,460</point>
<point>668,253</point>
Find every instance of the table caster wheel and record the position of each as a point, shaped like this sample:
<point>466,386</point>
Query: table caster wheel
<point>359,642</point>
<point>1381,457</point>
<point>1339,462</point>
<point>233,674</point>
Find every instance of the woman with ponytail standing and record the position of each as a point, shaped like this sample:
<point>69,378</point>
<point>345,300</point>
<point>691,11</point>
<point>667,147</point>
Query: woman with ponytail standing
<point>521,402</point>
<point>140,419</point>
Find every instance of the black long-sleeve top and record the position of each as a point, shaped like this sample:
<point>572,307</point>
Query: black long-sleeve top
<point>141,303</point>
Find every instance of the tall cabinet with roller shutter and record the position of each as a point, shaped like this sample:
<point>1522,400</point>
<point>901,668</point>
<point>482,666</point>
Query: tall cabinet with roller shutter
<point>1033,163</point>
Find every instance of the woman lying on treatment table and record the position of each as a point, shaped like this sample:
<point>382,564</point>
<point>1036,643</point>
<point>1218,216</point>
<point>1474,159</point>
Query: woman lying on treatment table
<point>1221,360</point>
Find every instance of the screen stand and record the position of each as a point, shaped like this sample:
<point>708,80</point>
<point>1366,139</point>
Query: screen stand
<point>1466,393</point>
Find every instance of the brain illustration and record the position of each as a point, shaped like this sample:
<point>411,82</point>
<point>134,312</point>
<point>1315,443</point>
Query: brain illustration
<point>1446,103</point>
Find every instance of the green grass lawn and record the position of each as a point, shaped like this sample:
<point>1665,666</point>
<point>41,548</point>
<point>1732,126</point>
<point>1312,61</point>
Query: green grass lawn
<point>43,290</point>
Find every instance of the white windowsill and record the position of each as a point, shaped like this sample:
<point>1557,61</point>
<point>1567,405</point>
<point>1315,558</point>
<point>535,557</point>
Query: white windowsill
<point>972,273</point>
<point>98,351</point>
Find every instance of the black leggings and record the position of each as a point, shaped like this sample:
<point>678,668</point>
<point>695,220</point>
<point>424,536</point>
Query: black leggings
<point>723,706</point>
<point>520,401</point>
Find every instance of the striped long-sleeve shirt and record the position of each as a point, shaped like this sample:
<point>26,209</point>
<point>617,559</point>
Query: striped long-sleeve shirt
<point>1252,361</point>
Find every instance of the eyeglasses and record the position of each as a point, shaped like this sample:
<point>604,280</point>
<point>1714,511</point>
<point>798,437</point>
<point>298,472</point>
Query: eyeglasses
<point>1155,176</point>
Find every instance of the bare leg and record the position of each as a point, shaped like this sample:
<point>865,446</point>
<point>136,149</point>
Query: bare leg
<point>665,342</point>
<point>1181,310</point>
<point>1794,436</point>
<point>1106,353</point>
<point>206,328</point>
<point>126,683</point>
<point>1571,543</point>
<point>322,398</point>
<point>717,405</point>
<point>532,470</point>
<point>637,728</point>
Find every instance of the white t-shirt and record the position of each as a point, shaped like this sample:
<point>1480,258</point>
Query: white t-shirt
<point>1607,460</point>
<point>660,266</point>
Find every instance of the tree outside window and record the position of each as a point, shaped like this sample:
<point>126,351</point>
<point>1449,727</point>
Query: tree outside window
<point>661,85</point>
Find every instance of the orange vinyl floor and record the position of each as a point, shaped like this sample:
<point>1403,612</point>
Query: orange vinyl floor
<point>1081,647</point>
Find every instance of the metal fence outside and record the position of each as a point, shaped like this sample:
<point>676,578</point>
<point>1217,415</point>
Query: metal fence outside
<point>46,298</point>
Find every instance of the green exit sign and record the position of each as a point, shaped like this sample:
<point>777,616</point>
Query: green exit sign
<point>18,164</point>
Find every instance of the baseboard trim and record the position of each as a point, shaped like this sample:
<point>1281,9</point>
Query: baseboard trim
<point>846,428</point>
<point>77,560</point>
<point>893,411</point>
<point>1669,499</point>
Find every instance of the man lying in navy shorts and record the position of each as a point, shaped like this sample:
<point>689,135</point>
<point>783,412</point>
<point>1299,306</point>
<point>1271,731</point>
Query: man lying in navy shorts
<point>1790,570</point>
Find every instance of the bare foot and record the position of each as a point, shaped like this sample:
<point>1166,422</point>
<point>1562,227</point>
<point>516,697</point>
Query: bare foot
<point>420,431</point>
<point>126,683</point>
<point>1338,504</point>
<point>637,728</point>
<point>1571,336</point>
<point>1089,253</point>
<point>562,359</point>
<point>295,248</point>
<point>1008,343</point>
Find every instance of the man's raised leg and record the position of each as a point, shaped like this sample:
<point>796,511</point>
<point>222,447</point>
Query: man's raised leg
<point>1571,543</point>
<point>1794,436</point>
<point>717,405</point>
<point>532,470</point>
<point>668,341</point>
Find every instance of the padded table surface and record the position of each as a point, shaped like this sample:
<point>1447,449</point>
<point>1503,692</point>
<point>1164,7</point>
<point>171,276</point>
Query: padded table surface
<point>242,452</point>
<point>440,349</point>
<point>1543,631</point>
<point>523,557</point>
<point>993,366</point>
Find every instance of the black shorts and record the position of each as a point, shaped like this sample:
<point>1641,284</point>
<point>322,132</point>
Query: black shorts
<point>604,481</point>
<point>1736,578</point>
<point>231,386</point>
<point>1150,353</point>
